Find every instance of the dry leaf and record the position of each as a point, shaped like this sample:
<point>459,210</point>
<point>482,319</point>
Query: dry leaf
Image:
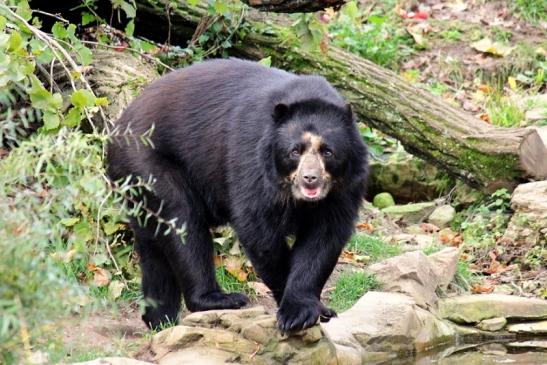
<point>234,265</point>
<point>101,277</point>
<point>482,289</point>
<point>429,227</point>
<point>484,117</point>
<point>486,45</point>
<point>365,227</point>
<point>115,289</point>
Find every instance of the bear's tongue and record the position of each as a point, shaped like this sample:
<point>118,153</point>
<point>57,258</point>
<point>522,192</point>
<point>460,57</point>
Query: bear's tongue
<point>310,193</point>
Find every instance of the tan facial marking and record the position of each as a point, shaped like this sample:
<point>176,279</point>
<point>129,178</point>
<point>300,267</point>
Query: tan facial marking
<point>314,140</point>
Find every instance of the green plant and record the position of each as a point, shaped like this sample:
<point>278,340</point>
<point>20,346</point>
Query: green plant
<point>374,247</point>
<point>532,10</point>
<point>230,284</point>
<point>351,286</point>
<point>370,36</point>
<point>503,111</point>
<point>451,34</point>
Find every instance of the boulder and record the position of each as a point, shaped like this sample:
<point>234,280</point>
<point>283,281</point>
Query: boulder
<point>442,216</point>
<point>416,274</point>
<point>492,324</point>
<point>475,308</point>
<point>528,224</point>
<point>530,328</point>
<point>410,213</point>
<point>385,324</point>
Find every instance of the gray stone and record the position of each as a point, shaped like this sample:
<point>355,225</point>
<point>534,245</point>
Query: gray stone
<point>534,344</point>
<point>410,213</point>
<point>532,328</point>
<point>475,308</point>
<point>388,322</point>
<point>492,324</point>
<point>442,216</point>
<point>416,274</point>
<point>199,355</point>
<point>529,202</point>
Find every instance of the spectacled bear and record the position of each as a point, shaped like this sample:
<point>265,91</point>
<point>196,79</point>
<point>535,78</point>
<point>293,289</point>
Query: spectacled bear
<point>269,152</point>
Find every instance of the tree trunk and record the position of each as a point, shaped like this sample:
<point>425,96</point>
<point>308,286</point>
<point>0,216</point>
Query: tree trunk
<point>293,6</point>
<point>482,155</point>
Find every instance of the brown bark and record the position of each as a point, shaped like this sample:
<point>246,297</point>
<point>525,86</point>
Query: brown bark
<point>293,6</point>
<point>482,155</point>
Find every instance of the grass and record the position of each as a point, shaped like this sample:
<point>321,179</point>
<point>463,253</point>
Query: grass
<point>503,112</point>
<point>231,285</point>
<point>373,247</point>
<point>531,10</point>
<point>350,287</point>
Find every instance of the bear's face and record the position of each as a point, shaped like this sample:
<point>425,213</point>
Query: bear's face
<point>310,151</point>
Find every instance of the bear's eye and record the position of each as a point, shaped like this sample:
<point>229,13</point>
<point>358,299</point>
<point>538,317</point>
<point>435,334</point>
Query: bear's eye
<point>295,152</point>
<point>327,152</point>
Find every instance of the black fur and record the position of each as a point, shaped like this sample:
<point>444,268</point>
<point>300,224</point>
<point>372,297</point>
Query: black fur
<point>220,156</point>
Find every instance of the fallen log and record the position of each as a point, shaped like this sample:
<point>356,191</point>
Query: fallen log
<point>482,155</point>
<point>293,6</point>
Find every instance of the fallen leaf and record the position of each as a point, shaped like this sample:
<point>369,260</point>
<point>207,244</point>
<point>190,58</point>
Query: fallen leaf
<point>482,289</point>
<point>486,45</point>
<point>485,117</point>
<point>115,289</point>
<point>234,265</point>
<point>101,277</point>
<point>512,83</point>
<point>365,226</point>
<point>486,89</point>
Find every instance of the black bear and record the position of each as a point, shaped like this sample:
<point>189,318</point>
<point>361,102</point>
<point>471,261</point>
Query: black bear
<point>272,153</point>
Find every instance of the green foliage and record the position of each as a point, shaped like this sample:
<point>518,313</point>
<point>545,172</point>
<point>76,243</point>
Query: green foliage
<point>351,286</point>
<point>230,284</point>
<point>485,221</point>
<point>374,247</point>
<point>532,10</point>
<point>503,111</point>
<point>370,36</point>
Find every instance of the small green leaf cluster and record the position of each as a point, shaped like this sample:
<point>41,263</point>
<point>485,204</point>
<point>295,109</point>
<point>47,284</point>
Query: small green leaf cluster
<point>371,36</point>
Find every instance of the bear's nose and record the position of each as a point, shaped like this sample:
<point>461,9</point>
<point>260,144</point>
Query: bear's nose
<point>310,177</point>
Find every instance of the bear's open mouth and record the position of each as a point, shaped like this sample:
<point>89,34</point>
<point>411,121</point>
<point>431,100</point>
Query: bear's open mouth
<point>311,193</point>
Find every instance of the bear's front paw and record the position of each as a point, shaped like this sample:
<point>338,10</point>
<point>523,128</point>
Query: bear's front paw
<point>326,313</point>
<point>299,314</point>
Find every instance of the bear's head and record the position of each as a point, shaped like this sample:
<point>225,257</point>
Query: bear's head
<point>315,147</point>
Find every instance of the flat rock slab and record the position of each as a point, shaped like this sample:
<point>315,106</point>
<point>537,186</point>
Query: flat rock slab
<point>387,323</point>
<point>114,361</point>
<point>532,328</point>
<point>475,308</point>
<point>492,324</point>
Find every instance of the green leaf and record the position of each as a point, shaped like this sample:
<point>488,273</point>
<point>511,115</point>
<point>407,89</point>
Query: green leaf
<point>51,120</point>
<point>85,55</point>
<point>15,42</point>
<point>73,117</point>
<point>84,231</point>
<point>69,222</point>
<point>266,61</point>
<point>130,28</point>
<point>220,6</point>
<point>129,9</point>
<point>111,227</point>
<point>193,2</point>
<point>39,96</point>
<point>102,101</point>
<point>87,18</point>
<point>58,30</point>
<point>82,98</point>
<point>92,184</point>
<point>55,102</point>
<point>3,23</point>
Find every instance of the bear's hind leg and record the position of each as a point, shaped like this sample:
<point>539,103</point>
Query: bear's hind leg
<point>161,291</point>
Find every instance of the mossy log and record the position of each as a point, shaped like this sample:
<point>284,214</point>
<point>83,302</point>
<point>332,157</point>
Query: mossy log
<point>482,155</point>
<point>293,6</point>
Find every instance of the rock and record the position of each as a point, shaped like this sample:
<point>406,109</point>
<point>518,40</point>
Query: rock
<point>444,264</point>
<point>383,200</point>
<point>479,358</point>
<point>464,195</point>
<point>387,323</point>
<point>240,336</point>
<point>529,202</point>
<point>475,308</point>
<point>347,355</point>
<point>442,216</point>
<point>410,213</point>
<point>531,328</point>
<point>114,361</point>
<point>416,274</point>
<point>492,324</point>
<point>533,344</point>
<point>469,334</point>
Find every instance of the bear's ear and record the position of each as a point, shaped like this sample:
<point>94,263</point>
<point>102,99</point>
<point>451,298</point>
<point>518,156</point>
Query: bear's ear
<point>348,111</point>
<point>280,112</point>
